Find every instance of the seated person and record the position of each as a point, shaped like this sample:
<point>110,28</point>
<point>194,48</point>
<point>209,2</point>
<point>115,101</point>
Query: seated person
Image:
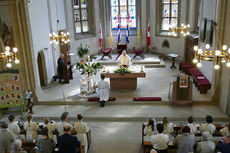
<point>14,127</point>
<point>226,130</point>
<point>160,140</point>
<point>168,127</point>
<point>193,127</point>
<point>150,129</point>
<point>124,60</point>
<point>208,126</point>
<point>205,145</point>
<point>185,141</point>
<point>224,144</point>
<point>63,122</point>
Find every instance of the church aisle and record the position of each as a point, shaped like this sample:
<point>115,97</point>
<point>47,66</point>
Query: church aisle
<point>130,112</point>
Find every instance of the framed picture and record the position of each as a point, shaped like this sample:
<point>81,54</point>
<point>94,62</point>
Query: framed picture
<point>202,29</point>
<point>183,82</point>
<point>209,32</point>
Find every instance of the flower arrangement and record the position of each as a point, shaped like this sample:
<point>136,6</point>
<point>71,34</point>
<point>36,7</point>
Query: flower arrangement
<point>122,70</point>
<point>88,69</point>
<point>82,51</point>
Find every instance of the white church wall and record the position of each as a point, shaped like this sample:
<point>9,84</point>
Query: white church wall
<point>43,22</point>
<point>93,41</point>
<point>209,11</point>
<point>225,72</point>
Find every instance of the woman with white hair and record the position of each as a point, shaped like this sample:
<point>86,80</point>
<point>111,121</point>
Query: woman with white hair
<point>124,60</point>
<point>206,145</point>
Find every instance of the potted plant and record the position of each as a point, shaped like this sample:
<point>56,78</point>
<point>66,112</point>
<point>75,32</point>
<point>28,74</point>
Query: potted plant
<point>82,51</point>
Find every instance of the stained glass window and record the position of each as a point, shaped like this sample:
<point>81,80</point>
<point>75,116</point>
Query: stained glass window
<point>123,12</point>
<point>169,14</point>
<point>81,16</point>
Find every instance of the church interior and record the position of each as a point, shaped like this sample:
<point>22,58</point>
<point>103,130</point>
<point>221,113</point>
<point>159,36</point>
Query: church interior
<point>128,67</point>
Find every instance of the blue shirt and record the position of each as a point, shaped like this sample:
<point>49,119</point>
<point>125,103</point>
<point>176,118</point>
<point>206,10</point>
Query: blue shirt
<point>224,148</point>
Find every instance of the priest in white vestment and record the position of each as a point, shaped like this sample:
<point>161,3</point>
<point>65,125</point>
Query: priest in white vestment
<point>103,87</point>
<point>124,60</point>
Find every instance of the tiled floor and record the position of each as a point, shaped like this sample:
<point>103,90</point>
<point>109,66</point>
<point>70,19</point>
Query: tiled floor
<point>156,83</point>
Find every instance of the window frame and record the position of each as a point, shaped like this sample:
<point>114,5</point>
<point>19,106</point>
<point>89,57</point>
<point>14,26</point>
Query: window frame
<point>81,21</point>
<point>170,13</point>
<point>133,31</point>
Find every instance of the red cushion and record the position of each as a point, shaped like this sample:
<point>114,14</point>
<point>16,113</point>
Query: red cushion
<point>98,99</point>
<point>147,99</point>
<point>138,51</point>
<point>93,99</point>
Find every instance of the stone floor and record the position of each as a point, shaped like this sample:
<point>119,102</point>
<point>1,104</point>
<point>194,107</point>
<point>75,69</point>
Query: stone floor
<point>156,83</point>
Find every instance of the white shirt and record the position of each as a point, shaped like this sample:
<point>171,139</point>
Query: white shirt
<point>31,130</point>
<point>103,87</point>
<point>207,128</point>
<point>193,128</point>
<point>61,125</point>
<point>124,60</point>
<point>15,129</point>
<point>160,141</point>
<point>168,129</point>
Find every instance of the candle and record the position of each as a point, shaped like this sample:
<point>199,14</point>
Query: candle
<point>142,69</point>
<point>104,69</point>
<point>88,60</point>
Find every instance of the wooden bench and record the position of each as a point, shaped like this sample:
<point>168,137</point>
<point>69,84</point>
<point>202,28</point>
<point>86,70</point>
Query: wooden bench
<point>184,67</point>
<point>200,81</point>
<point>27,146</point>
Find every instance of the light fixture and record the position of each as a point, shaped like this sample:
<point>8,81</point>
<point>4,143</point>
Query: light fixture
<point>9,55</point>
<point>183,29</point>
<point>220,55</point>
<point>57,37</point>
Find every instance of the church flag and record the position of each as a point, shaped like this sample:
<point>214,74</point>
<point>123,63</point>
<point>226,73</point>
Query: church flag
<point>138,30</point>
<point>148,36</point>
<point>110,34</point>
<point>127,34</point>
<point>119,34</point>
<point>100,35</point>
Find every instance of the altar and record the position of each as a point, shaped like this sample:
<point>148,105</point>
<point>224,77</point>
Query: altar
<point>127,81</point>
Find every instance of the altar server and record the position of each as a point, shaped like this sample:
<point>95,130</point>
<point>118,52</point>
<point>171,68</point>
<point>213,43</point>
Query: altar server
<point>124,60</point>
<point>81,128</point>
<point>31,129</point>
<point>103,87</point>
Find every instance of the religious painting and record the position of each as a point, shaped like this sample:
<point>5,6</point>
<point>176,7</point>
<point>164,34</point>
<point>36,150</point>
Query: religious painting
<point>183,82</point>
<point>202,29</point>
<point>209,32</point>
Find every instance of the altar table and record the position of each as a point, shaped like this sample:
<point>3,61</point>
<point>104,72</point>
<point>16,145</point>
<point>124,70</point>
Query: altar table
<point>127,81</point>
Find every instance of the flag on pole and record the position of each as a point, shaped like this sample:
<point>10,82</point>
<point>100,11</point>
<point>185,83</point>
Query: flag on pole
<point>138,30</point>
<point>127,34</point>
<point>119,34</point>
<point>148,35</point>
<point>100,35</point>
<point>110,34</point>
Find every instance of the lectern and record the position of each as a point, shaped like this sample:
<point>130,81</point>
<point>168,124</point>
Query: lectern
<point>182,91</point>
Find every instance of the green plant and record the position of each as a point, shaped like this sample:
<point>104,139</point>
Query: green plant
<point>88,69</point>
<point>82,51</point>
<point>122,70</point>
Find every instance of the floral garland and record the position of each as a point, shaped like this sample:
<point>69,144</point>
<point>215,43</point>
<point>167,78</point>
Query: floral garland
<point>122,70</point>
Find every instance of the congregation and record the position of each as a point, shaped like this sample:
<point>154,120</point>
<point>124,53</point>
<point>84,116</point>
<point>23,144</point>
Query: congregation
<point>61,137</point>
<point>163,134</point>
<point>65,137</point>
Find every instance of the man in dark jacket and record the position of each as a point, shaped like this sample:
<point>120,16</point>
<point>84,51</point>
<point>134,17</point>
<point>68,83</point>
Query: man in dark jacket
<point>67,143</point>
<point>60,68</point>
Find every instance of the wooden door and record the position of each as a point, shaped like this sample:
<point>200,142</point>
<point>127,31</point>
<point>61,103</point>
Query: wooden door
<point>40,70</point>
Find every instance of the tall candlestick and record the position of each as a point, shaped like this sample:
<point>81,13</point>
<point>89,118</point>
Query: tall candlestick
<point>88,60</point>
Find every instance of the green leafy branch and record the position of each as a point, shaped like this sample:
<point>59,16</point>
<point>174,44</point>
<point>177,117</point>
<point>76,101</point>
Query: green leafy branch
<point>122,70</point>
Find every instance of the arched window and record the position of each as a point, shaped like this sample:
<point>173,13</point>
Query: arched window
<point>123,12</point>
<point>81,16</point>
<point>169,14</point>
